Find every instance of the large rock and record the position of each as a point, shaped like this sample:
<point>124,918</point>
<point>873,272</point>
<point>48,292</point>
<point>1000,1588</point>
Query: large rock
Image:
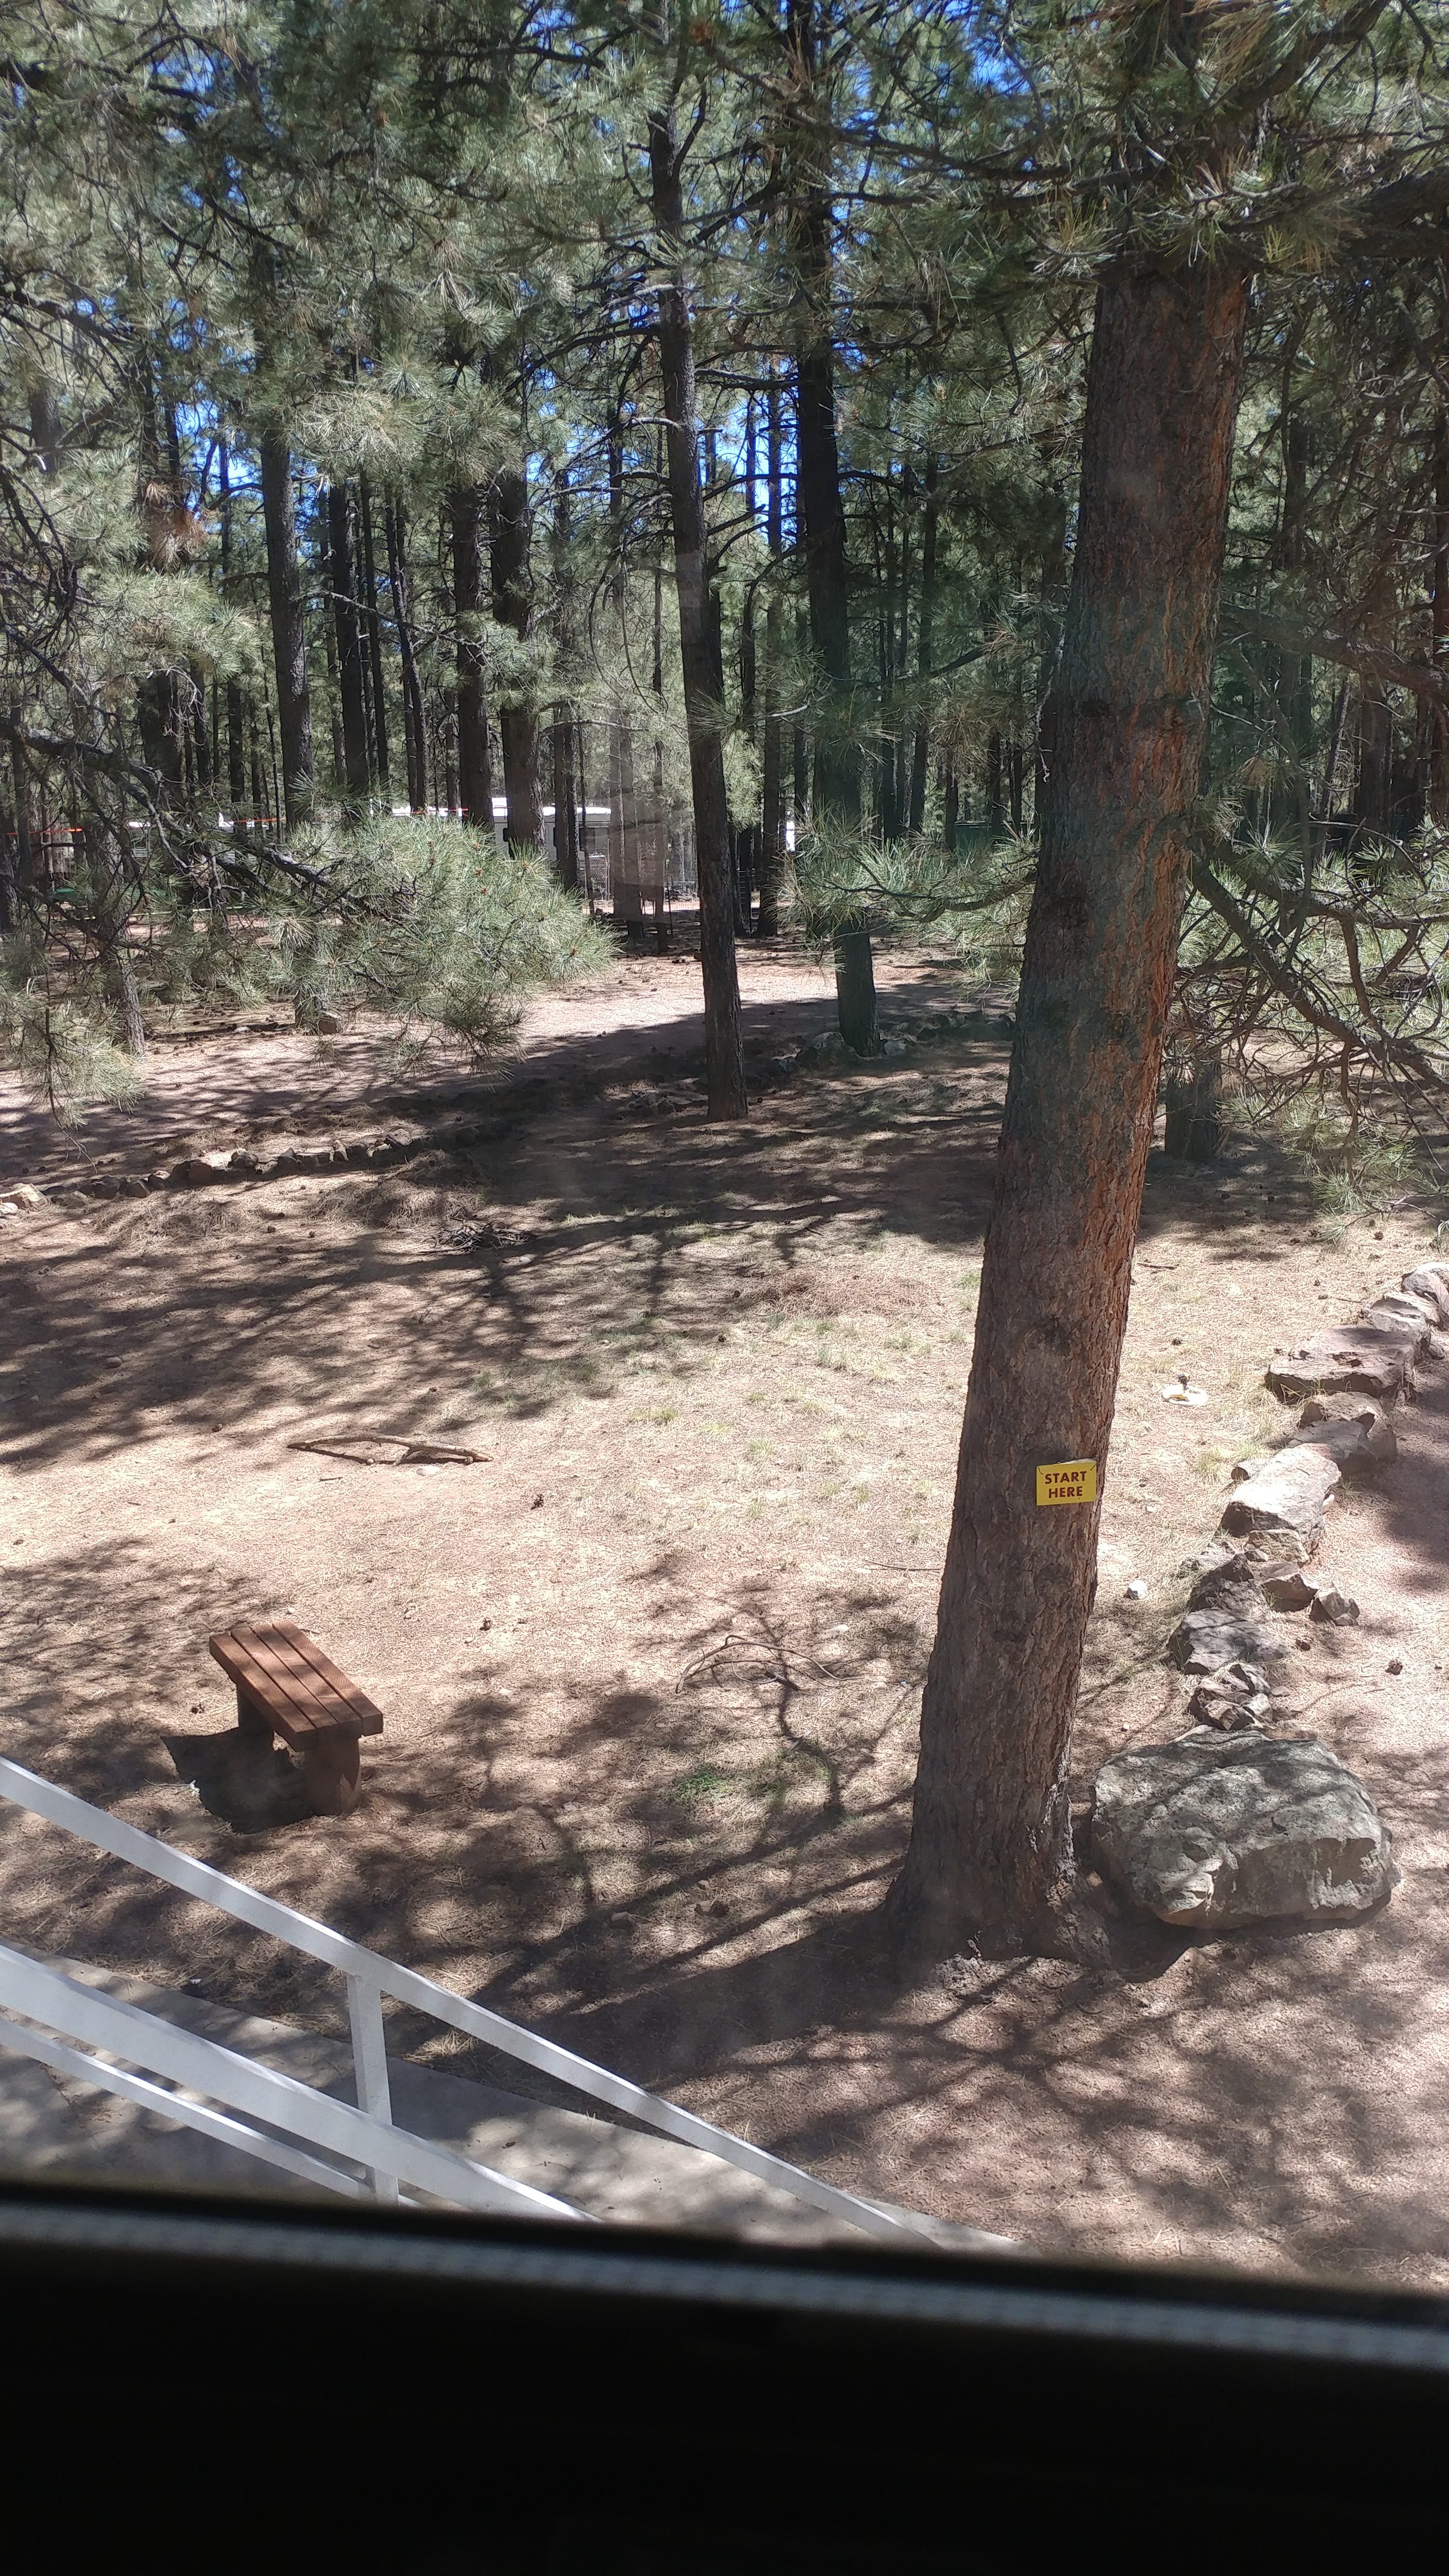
<point>1352,1359</point>
<point>1287,1586</point>
<point>1395,1313</point>
<point>1430,1283</point>
<point>1234,1697</point>
<point>199,1170</point>
<point>1207,1639</point>
<point>1346,1443</point>
<point>1282,1502</point>
<point>1229,1583</point>
<point>1218,1831</point>
<point>1322,1412</point>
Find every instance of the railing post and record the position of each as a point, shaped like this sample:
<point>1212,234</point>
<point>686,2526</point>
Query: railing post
<point>369,2058</point>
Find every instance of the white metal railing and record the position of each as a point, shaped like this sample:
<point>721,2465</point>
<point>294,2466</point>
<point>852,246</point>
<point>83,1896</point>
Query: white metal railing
<point>375,2157</point>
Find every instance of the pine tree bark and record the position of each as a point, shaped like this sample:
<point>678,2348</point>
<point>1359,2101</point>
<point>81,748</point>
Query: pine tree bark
<point>772,797</point>
<point>415,726</point>
<point>565,811</point>
<point>475,774</point>
<point>990,1850</point>
<point>925,648</point>
<point>289,632</point>
<point>699,653</point>
<point>1438,779</point>
<point>374,631</point>
<point>821,513</point>
<point>626,899</point>
<point>24,827</point>
<point>950,806</point>
<point>508,538</point>
<point>348,625</point>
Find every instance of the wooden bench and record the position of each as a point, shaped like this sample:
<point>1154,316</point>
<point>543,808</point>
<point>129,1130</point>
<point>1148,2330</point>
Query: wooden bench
<point>286,1686</point>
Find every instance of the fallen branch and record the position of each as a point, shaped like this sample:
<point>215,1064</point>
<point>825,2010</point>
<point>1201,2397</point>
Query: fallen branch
<point>414,1453</point>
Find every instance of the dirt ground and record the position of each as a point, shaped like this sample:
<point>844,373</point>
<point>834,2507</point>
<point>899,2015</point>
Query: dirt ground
<point>651,1668</point>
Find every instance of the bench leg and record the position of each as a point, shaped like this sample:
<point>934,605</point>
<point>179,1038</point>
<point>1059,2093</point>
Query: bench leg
<point>332,1771</point>
<point>252,1720</point>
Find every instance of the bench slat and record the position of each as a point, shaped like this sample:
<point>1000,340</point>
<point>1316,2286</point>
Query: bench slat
<point>310,1653</point>
<point>294,1682</point>
<point>288,1706</point>
<point>325,1707</point>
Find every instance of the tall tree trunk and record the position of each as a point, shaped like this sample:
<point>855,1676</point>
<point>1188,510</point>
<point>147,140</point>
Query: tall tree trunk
<point>950,806</point>
<point>624,896</point>
<point>475,774</point>
<point>772,823</point>
<point>821,513</point>
<point>374,631</point>
<point>329,639</point>
<point>289,631</point>
<point>9,872</point>
<point>887,801</point>
<point>703,676</point>
<point>658,866</point>
<point>1375,755</point>
<point>925,646</point>
<point>586,874</point>
<point>24,826</point>
<point>103,844</point>
<point>800,740</point>
<point>415,726</point>
<point>995,806</point>
<point>254,767</point>
<point>565,812</point>
<point>1438,783</point>
<point>348,624</point>
<point>990,1851</point>
<point>508,532</point>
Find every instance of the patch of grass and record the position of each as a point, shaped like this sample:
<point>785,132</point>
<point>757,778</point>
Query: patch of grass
<point>529,1386</point>
<point>795,1765</point>
<point>704,1786</point>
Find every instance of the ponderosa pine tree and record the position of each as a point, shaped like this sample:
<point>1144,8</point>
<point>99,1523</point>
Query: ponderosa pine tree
<point>1124,737</point>
<point>703,666</point>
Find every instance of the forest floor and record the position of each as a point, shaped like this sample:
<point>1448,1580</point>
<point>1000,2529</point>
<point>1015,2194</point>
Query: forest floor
<point>651,1669</point>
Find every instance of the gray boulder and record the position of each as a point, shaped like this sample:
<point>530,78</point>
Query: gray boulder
<point>1229,1584</point>
<point>199,1170</point>
<point>828,1048</point>
<point>1346,1443</point>
<point>1283,1501</point>
<point>1430,1282</point>
<point>1394,1314</point>
<point>1286,1586</point>
<point>1332,1608</point>
<point>1235,1697</point>
<point>1207,1639</point>
<point>1322,1411</point>
<point>1352,1359</point>
<point>1219,1831</point>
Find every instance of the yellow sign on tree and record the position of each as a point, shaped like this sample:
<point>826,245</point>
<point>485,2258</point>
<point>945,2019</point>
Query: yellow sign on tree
<point>1073,1480</point>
